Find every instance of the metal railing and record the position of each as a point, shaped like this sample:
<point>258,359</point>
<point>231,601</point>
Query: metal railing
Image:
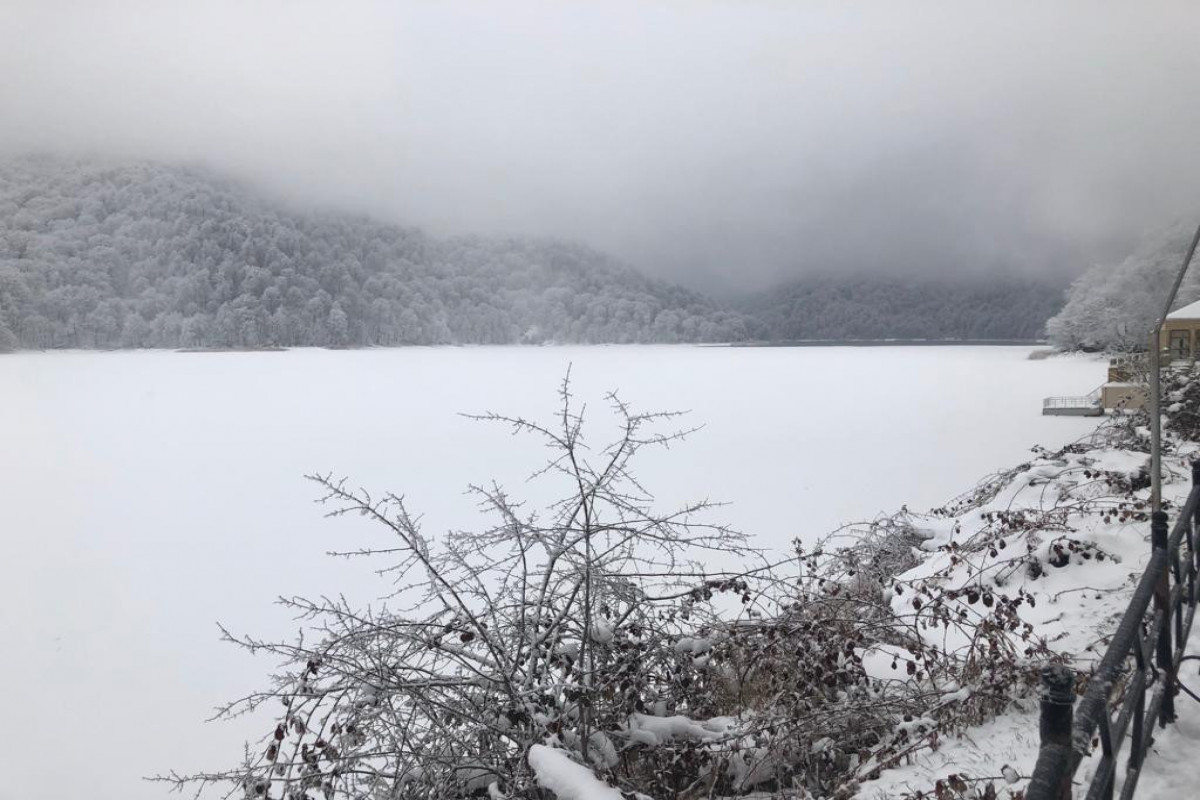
<point>1153,632</point>
<point>1090,400</point>
<point>1087,401</point>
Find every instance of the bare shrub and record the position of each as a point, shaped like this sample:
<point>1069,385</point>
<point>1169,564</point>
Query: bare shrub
<point>595,626</point>
<point>555,625</point>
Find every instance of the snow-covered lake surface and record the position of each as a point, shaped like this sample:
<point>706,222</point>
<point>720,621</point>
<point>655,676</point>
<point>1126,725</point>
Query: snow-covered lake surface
<point>147,495</point>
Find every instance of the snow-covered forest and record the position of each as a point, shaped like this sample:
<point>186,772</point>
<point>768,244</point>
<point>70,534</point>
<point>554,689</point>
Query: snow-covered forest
<point>128,255</point>
<point>885,307</point>
<point>1114,306</point>
<point>99,255</point>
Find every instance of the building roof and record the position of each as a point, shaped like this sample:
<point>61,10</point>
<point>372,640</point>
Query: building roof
<point>1191,311</point>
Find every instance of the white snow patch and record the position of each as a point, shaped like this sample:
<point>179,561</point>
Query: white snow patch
<point>657,730</point>
<point>568,779</point>
<point>602,631</point>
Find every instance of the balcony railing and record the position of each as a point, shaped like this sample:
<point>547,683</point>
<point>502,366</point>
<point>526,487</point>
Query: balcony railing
<point>1090,400</point>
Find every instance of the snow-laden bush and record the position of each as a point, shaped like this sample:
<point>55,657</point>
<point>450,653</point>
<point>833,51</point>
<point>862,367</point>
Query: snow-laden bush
<point>558,627</point>
<point>591,639</point>
<point>1181,403</point>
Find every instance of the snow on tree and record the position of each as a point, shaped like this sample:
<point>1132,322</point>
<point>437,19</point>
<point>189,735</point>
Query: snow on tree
<point>1115,306</point>
<point>94,254</point>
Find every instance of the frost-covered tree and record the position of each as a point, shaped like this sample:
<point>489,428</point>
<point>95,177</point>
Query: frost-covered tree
<point>8,341</point>
<point>1114,306</point>
<point>552,626</point>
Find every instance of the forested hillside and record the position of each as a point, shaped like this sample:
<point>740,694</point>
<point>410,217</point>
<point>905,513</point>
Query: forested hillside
<point>875,307</point>
<point>98,255</point>
<point>1114,306</point>
<point>144,255</point>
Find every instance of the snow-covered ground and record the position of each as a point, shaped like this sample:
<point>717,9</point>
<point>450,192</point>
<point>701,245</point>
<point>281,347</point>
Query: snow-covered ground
<point>147,495</point>
<point>1074,605</point>
<point>1172,770</point>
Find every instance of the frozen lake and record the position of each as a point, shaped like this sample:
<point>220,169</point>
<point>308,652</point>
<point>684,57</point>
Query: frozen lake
<point>147,495</point>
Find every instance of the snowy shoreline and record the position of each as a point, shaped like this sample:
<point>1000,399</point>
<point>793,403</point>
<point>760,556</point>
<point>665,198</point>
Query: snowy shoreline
<point>174,461</point>
<point>1099,486</point>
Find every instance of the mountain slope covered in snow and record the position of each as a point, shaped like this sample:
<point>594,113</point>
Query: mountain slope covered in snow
<point>103,255</point>
<point>1115,306</point>
<point>883,307</point>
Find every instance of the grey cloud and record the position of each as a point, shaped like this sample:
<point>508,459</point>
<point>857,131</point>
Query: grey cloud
<point>723,144</point>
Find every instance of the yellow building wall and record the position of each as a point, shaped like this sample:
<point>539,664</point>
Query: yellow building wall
<point>1191,326</point>
<point>1123,396</point>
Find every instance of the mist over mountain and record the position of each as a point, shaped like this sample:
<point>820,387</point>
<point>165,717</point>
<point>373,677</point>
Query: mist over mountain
<point>98,255</point>
<point>887,307</point>
<point>721,145</point>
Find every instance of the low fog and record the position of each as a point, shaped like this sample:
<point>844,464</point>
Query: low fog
<point>723,145</point>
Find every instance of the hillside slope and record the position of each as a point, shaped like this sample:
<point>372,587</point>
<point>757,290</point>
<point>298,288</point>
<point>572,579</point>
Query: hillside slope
<point>96,255</point>
<point>881,307</point>
<point>1115,306</point>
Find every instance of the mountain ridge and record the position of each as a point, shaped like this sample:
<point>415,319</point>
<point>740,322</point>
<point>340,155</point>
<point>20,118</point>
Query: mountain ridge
<point>143,255</point>
<point>112,254</point>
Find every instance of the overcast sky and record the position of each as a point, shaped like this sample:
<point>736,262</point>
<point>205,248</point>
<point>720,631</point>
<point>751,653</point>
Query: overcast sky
<point>723,144</point>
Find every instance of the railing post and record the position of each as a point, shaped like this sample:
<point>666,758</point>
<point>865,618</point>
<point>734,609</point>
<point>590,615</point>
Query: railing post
<point>1164,657</point>
<point>1194,529</point>
<point>1052,775</point>
<point>1196,480</point>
